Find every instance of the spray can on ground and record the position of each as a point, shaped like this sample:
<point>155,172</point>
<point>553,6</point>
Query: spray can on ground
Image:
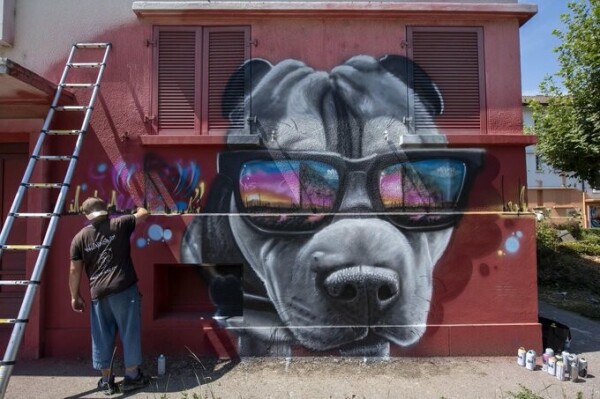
<point>162,364</point>
<point>583,367</point>
<point>545,357</point>
<point>567,363</point>
<point>530,360</point>
<point>552,366</point>
<point>521,356</point>
<point>574,373</point>
<point>560,370</point>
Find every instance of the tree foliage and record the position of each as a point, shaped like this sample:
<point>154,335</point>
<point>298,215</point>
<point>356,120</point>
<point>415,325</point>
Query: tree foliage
<point>568,128</point>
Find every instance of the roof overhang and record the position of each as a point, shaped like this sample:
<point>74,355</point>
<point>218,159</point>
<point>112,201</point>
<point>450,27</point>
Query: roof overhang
<point>23,93</point>
<point>225,9</point>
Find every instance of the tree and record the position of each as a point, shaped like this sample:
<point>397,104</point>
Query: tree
<point>568,128</point>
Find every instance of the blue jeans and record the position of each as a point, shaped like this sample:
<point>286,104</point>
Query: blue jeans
<point>119,312</point>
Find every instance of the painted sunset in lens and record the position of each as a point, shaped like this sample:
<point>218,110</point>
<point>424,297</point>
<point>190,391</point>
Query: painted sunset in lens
<point>290,186</point>
<point>434,183</point>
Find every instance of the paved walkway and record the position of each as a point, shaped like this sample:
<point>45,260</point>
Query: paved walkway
<point>464,377</point>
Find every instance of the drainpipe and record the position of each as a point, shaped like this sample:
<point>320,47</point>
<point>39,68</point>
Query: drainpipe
<point>584,210</point>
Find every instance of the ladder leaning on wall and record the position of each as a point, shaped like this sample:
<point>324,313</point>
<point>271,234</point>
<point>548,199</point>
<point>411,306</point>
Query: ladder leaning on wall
<point>18,330</point>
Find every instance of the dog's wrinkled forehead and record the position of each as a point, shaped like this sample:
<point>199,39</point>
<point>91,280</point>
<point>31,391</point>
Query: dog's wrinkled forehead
<point>356,110</point>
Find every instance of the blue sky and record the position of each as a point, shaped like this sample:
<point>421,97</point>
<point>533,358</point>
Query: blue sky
<point>537,43</point>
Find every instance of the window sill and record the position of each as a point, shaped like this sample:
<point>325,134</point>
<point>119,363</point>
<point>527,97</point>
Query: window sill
<point>172,140</point>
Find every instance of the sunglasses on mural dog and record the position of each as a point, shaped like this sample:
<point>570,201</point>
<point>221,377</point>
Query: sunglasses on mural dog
<point>296,192</point>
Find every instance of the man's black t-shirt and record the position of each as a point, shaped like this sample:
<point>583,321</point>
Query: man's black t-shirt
<point>105,251</point>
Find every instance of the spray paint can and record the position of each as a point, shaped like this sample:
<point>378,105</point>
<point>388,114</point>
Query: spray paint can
<point>559,358</point>
<point>573,359</point>
<point>521,356</point>
<point>545,357</point>
<point>560,370</point>
<point>162,364</point>
<point>574,373</point>
<point>565,357</point>
<point>530,360</point>
<point>583,367</point>
<point>552,366</point>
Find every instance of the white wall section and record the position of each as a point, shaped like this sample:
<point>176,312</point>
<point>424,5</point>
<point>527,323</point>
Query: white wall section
<point>7,22</point>
<point>45,30</point>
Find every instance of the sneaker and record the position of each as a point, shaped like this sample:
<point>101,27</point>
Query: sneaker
<point>130,384</point>
<point>108,387</point>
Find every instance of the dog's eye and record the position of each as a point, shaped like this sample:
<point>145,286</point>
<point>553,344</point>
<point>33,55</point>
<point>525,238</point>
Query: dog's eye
<point>289,195</point>
<point>288,186</point>
<point>433,184</point>
<point>422,193</point>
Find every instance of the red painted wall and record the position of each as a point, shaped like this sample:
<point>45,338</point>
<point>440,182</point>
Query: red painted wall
<point>484,298</point>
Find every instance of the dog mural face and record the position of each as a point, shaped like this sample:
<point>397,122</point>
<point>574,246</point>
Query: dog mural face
<point>334,214</point>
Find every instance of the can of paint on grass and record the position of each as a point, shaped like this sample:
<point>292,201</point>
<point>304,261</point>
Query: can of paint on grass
<point>521,356</point>
<point>530,360</point>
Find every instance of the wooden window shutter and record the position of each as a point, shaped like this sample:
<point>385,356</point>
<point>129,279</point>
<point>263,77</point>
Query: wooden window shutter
<point>225,50</point>
<point>453,59</point>
<point>177,81</point>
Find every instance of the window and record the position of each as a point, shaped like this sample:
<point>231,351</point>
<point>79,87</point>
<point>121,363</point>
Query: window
<point>192,68</point>
<point>452,57</point>
<point>539,164</point>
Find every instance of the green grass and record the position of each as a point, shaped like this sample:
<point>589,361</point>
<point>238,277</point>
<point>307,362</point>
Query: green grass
<point>526,393</point>
<point>569,272</point>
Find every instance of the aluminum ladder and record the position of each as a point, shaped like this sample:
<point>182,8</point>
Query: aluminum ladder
<point>19,324</point>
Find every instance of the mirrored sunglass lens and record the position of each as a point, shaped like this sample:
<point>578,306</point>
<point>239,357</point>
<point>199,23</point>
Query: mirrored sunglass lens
<point>422,186</point>
<point>285,188</point>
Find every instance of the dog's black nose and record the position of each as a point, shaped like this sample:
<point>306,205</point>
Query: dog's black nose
<point>378,286</point>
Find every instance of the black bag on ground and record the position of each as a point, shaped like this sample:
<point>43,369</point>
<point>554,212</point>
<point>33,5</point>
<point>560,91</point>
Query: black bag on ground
<point>555,335</point>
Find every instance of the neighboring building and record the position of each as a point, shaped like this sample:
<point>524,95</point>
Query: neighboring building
<point>554,194</point>
<point>349,164</point>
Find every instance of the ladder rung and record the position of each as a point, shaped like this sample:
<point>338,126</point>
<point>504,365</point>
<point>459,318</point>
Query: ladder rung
<point>92,45</point>
<point>44,185</point>
<point>33,214</point>
<point>71,108</point>
<point>63,132</point>
<point>54,157</point>
<point>23,247</point>
<point>18,282</point>
<point>78,85</point>
<point>85,64</point>
<point>13,321</point>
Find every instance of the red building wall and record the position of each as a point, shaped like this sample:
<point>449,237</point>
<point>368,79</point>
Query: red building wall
<point>483,296</point>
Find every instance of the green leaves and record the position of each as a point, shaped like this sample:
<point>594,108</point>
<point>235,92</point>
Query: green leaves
<point>568,128</point>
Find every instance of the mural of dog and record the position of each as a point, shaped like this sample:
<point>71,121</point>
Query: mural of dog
<point>342,215</point>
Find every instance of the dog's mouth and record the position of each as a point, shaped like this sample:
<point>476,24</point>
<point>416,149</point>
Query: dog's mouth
<point>371,345</point>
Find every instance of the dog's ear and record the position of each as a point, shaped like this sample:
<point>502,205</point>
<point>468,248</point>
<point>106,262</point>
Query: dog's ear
<point>240,86</point>
<point>403,68</point>
<point>208,239</point>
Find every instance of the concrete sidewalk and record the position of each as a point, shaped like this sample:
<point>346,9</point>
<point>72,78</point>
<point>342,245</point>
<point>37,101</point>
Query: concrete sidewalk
<point>344,378</point>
